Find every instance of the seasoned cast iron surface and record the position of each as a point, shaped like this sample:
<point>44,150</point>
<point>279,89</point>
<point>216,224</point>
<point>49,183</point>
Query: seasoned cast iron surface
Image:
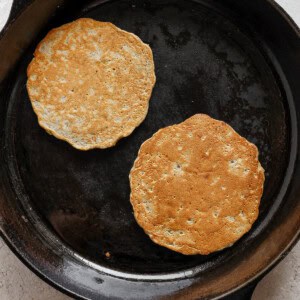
<point>204,64</point>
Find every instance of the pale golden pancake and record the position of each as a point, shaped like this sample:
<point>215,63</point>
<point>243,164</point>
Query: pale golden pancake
<point>90,83</point>
<point>196,186</point>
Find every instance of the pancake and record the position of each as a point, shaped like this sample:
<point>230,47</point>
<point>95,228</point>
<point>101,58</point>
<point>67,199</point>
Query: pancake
<point>90,83</point>
<point>196,186</point>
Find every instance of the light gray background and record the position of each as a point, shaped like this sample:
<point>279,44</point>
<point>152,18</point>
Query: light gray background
<point>17,282</point>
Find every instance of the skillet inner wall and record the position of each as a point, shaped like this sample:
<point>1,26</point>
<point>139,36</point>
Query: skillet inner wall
<point>204,64</point>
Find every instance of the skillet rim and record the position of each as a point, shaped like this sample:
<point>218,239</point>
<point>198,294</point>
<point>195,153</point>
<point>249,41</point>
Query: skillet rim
<point>38,272</point>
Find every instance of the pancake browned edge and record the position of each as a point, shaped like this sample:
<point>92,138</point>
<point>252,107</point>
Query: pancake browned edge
<point>196,186</point>
<point>90,83</point>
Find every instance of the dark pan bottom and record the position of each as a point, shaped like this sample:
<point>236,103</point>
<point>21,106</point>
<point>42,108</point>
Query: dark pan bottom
<point>204,64</point>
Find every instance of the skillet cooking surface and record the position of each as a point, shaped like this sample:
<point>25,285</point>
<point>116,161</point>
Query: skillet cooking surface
<point>204,64</point>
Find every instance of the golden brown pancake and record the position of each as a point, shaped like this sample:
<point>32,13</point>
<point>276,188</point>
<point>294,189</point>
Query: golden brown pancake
<point>90,83</point>
<point>196,186</point>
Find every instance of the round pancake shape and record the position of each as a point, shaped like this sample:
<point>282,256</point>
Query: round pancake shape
<point>90,83</point>
<point>196,186</point>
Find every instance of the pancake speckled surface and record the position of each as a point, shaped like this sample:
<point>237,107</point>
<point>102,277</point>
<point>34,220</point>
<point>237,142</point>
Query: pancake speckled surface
<point>90,83</point>
<point>196,186</point>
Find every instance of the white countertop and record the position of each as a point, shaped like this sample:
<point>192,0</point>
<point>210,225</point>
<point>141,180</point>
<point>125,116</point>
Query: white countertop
<point>18,282</point>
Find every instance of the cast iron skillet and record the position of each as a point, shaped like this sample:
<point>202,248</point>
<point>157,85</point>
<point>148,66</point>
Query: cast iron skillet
<point>62,209</point>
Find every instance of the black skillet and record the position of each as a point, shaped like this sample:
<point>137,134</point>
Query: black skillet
<point>61,209</point>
